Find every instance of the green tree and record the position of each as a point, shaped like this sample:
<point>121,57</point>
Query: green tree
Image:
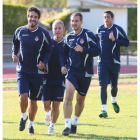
<point>11,21</point>
<point>39,3</point>
<point>133,0</point>
<point>132,24</point>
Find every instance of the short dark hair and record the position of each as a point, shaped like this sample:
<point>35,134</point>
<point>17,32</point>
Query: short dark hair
<point>35,9</point>
<point>77,14</point>
<point>109,12</point>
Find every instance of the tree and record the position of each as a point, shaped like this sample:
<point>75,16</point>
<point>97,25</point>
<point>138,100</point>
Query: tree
<point>39,3</point>
<point>132,23</point>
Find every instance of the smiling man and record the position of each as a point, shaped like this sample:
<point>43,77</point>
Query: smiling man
<point>53,91</point>
<point>111,37</point>
<point>35,47</point>
<point>76,58</point>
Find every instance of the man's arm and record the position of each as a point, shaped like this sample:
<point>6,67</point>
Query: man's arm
<point>94,46</point>
<point>15,46</point>
<point>64,70</point>
<point>64,54</point>
<point>15,59</point>
<point>96,34</point>
<point>41,65</point>
<point>122,39</point>
<point>47,48</point>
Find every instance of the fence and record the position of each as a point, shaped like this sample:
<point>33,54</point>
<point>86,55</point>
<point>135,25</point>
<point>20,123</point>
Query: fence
<point>132,43</point>
<point>7,45</point>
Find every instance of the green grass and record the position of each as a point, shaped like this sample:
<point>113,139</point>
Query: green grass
<point>121,126</point>
<point>12,84</point>
<point>9,84</point>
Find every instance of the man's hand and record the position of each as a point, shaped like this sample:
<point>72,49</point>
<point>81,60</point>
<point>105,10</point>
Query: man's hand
<point>78,48</point>
<point>15,59</point>
<point>111,36</point>
<point>64,70</point>
<point>41,65</point>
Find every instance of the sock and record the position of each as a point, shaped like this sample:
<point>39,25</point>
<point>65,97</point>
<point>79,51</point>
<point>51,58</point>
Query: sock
<point>75,120</point>
<point>104,107</point>
<point>24,116</point>
<point>113,99</point>
<point>30,123</point>
<point>67,122</point>
<point>49,113</point>
<point>52,124</point>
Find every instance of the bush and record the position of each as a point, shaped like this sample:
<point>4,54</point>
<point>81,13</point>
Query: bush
<point>132,23</point>
<point>64,16</point>
<point>132,30</point>
<point>14,16</point>
<point>132,48</point>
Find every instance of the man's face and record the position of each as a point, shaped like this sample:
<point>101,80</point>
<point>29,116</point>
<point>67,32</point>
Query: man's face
<point>32,19</point>
<point>58,30</point>
<point>108,20</point>
<point>76,23</point>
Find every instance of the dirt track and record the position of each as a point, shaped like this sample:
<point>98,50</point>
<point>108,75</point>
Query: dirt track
<point>11,73</point>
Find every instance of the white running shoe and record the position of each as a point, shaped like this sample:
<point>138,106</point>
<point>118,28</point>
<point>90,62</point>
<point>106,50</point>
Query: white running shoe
<point>47,119</point>
<point>50,130</point>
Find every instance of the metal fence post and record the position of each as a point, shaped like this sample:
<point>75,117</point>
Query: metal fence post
<point>128,55</point>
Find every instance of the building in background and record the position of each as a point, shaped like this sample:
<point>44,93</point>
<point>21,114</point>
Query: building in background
<point>92,11</point>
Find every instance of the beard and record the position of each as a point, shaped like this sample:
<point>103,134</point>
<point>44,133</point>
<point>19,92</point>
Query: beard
<point>33,25</point>
<point>75,28</point>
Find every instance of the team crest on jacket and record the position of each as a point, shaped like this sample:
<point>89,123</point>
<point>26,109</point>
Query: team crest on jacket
<point>71,39</point>
<point>81,40</point>
<point>36,38</point>
<point>25,34</point>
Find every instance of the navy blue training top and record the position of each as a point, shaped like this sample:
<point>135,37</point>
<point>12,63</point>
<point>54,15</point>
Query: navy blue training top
<point>110,50</point>
<point>54,75</point>
<point>80,63</point>
<point>35,46</point>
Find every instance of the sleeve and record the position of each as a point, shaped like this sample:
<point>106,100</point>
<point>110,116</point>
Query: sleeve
<point>64,54</point>
<point>15,43</point>
<point>97,31</point>
<point>121,39</point>
<point>47,48</point>
<point>93,45</point>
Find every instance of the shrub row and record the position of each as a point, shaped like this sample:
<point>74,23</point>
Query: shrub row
<point>64,16</point>
<point>13,16</point>
<point>132,23</point>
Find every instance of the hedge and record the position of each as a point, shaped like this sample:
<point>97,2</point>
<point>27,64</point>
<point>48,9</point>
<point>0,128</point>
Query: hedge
<point>132,29</point>
<point>64,16</point>
<point>14,16</point>
<point>132,23</point>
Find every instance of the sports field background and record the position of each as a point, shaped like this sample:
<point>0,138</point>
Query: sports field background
<point>10,73</point>
<point>90,126</point>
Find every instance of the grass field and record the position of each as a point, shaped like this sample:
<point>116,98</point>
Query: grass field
<point>121,126</point>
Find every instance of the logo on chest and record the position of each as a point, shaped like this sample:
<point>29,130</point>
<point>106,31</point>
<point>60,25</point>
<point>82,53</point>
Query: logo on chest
<point>102,31</point>
<point>71,39</point>
<point>36,38</point>
<point>25,34</point>
<point>81,40</point>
